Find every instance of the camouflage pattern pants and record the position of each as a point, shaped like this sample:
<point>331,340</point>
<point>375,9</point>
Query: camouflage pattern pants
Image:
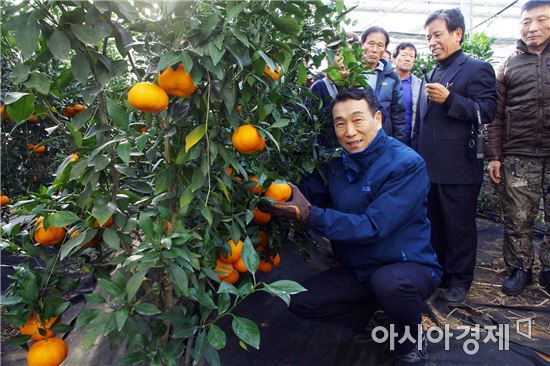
<point>524,180</point>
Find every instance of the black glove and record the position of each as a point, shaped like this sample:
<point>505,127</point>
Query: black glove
<point>296,209</point>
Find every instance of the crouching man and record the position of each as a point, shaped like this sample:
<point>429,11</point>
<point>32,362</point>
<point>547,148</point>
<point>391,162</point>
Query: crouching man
<point>371,204</point>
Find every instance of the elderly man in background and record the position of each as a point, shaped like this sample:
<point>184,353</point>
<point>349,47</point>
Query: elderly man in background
<point>403,59</point>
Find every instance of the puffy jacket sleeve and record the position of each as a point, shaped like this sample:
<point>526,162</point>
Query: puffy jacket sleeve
<point>314,187</point>
<point>481,90</point>
<point>493,147</point>
<point>403,193</point>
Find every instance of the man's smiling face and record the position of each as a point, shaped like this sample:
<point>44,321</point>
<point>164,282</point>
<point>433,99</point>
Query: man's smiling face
<point>355,125</point>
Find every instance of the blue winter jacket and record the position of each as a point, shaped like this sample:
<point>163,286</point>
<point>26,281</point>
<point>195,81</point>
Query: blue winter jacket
<point>389,93</point>
<point>372,206</point>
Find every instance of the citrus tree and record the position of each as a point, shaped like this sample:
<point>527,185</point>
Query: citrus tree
<point>172,120</point>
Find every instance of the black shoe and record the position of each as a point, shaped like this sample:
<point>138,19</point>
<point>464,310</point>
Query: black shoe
<point>379,319</point>
<point>516,282</point>
<point>455,294</point>
<point>415,356</point>
<point>544,280</point>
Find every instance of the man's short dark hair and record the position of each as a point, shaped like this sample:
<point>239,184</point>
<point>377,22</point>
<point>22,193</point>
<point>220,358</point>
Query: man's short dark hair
<point>375,29</point>
<point>453,19</point>
<point>403,45</point>
<point>534,4</point>
<point>357,94</point>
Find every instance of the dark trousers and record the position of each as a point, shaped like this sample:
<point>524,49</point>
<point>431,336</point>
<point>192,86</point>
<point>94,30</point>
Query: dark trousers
<point>398,289</point>
<point>452,212</point>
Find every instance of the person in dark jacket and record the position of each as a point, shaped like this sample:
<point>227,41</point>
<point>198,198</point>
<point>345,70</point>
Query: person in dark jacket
<point>518,146</point>
<point>371,203</point>
<point>385,82</point>
<point>445,135</point>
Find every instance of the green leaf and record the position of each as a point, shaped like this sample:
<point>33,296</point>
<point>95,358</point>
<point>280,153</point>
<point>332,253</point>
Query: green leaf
<point>180,278</point>
<point>194,136</point>
<point>121,316</point>
<point>123,151</point>
<point>59,45</point>
<point>103,209</point>
<point>80,68</point>
<point>22,108</point>
<point>250,257</point>
<point>267,60</point>
<point>146,224</point>
<point>109,286</point>
<point>20,73</point>
<point>187,62</point>
<point>39,82</point>
<point>234,8</point>
<point>202,298</point>
<point>94,298</point>
<point>134,283</point>
<point>207,214</point>
<point>13,97</point>
<point>61,218</point>
<point>110,237</point>
<point>215,53</point>
<point>167,60</point>
<point>117,113</point>
<point>287,24</point>
<point>216,337</point>
<point>70,245</point>
<point>146,308</point>
<point>227,288</point>
<point>10,300</point>
<point>287,286</point>
<point>302,74</point>
<point>100,163</point>
<point>247,331</point>
<point>81,118</point>
<point>283,122</point>
<point>92,333</point>
<point>86,34</point>
<point>85,317</point>
<point>27,34</point>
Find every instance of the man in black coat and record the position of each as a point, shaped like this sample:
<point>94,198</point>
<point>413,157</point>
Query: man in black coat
<point>450,98</point>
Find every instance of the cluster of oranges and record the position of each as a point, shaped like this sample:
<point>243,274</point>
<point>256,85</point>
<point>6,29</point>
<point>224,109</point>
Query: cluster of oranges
<point>73,110</point>
<point>230,264</point>
<point>54,235</point>
<point>149,97</point>
<point>47,349</point>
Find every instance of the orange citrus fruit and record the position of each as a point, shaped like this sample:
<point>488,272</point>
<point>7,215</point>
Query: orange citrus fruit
<point>232,278</point>
<point>273,74</point>
<point>235,253</point>
<point>33,325</point>
<point>264,266</point>
<point>52,236</point>
<point>275,259</point>
<point>33,119</point>
<point>240,266</point>
<point>148,97</point>
<point>4,200</point>
<point>280,192</point>
<point>49,352</point>
<point>177,82</point>
<point>223,269</point>
<point>261,217</point>
<point>247,140</point>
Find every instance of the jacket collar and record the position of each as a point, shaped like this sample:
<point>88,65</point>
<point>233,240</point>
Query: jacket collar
<point>360,161</point>
<point>522,47</point>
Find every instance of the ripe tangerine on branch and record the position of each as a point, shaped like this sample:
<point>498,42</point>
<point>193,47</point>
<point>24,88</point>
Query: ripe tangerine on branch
<point>33,325</point>
<point>49,352</point>
<point>247,140</point>
<point>177,82</point>
<point>260,217</point>
<point>148,97</point>
<point>52,236</point>
<point>235,253</point>
<point>275,75</point>
<point>4,200</point>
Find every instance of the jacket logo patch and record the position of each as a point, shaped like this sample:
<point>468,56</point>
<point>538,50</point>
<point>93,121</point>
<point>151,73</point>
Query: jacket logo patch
<point>365,189</point>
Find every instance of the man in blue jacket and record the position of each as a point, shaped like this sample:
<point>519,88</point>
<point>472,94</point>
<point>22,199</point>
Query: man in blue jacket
<point>371,203</point>
<point>385,82</point>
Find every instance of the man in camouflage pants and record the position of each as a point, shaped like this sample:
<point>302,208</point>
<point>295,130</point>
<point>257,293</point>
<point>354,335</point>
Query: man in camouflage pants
<point>519,146</point>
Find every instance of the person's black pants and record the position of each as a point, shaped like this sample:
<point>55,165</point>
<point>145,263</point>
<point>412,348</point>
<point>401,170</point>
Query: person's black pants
<point>399,289</point>
<point>452,212</point>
